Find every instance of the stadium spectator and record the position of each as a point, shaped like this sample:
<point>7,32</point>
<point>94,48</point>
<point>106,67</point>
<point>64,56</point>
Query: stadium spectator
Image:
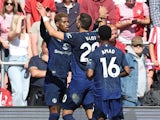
<point>154,36</point>
<point>72,9</point>
<point>1,5</point>
<point>114,39</point>
<point>19,51</point>
<point>36,39</point>
<point>91,7</point>
<point>32,13</point>
<point>8,10</point>
<point>37,68</point>
<point>131,19</point>
<point>154,49</point>
<point>136,83</point>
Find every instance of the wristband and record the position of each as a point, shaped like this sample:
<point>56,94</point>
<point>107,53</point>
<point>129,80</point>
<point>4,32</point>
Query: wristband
<point>45,18</point>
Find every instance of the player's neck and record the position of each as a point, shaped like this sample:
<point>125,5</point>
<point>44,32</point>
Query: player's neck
<point>104,42</point>
<point>82,30</point>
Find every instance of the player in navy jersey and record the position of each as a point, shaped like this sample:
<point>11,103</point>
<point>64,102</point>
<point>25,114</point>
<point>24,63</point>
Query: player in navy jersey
<point>80,90</point>
<point>106,65</point>
<point>58,66</point>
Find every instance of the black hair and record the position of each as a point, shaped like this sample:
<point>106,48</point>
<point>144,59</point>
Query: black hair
<point>85,21</point>
<point>59,16</point>
<point>104,32</point>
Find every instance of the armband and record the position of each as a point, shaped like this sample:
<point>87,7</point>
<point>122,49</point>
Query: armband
<point>45,18</point>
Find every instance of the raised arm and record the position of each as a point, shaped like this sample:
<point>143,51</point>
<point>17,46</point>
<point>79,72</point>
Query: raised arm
<point>52,32</point>
<point>43,32</point>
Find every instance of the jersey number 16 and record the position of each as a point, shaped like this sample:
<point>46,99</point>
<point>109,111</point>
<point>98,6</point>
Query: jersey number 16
<point>108,70</point>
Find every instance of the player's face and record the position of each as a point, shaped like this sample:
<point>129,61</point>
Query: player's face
<point>63,24</point>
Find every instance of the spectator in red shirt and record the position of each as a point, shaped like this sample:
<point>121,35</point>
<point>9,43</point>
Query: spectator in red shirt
<point>91,7</point>
<point>114,41</point>
<point>32,13</point>
<point>1,5</point>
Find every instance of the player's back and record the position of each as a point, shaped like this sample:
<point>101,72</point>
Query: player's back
<point>108,60</point>
<point>82,45</point>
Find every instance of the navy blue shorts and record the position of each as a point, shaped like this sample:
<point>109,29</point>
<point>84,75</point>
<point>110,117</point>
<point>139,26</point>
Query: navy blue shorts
<point>108,108</point>
<point>54,90</point>
<point>77,97</point>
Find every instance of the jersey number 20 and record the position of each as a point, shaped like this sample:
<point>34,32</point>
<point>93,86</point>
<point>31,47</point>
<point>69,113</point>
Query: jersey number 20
<point>90,48</point>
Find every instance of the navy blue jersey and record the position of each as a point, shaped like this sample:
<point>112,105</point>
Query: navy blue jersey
<point>107,61</point>
<point>82,44</point>
<point>59,57</point>
<point>59,54</point>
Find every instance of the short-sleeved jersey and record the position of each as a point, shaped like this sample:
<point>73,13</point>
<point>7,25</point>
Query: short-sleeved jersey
<point>82,44</point>
<point>59,57</point>
<point>107,62</point>
<point>59,54</point>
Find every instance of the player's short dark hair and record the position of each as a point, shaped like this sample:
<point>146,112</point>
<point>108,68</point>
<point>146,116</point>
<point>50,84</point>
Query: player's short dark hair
<point>104,32</point>
<point>59,16</point>
<point>85,20</point>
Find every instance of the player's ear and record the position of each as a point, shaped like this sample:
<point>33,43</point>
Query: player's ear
<point>99,40</point>
<point>78,24</point>
<point>57,24</point>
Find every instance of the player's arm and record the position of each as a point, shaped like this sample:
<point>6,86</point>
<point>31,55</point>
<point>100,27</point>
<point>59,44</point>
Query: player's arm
<point>90,74</point>
<point>90,67</point>
<point>125,72</point>
<point>43,32</point>
<point>49,28</point>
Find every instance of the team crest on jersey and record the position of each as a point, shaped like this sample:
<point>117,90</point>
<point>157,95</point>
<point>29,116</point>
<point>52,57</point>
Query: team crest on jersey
<point>54,100</point>
<point>65,46</point>
<point>68,35</point>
